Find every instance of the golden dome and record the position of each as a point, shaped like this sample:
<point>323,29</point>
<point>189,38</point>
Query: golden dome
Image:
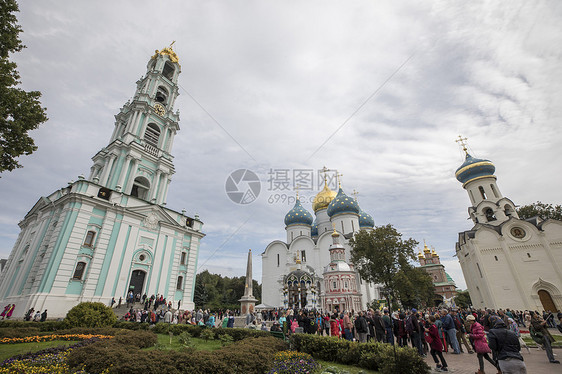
<point>434,254</point>
<point>323,199</point>
<point>426,249</point>
<point>169,52</point>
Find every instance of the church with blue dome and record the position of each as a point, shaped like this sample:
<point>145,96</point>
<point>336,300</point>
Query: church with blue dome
<point>311,269</point>
<point>507,262</point>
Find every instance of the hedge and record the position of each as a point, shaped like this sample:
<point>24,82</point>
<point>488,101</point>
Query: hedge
<point>386,358</point>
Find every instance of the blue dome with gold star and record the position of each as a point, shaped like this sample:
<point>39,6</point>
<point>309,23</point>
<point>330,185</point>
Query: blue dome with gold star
<point>366,220</point>
<point>298,215</point>
<point>474,168</point>
<point>314,229</point>
<point>342,204</point>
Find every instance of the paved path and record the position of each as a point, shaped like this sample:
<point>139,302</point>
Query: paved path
<point>536,362</point>
<point>465,363</point>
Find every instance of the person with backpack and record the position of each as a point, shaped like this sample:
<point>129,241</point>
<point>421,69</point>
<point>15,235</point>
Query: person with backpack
<point>434,341</point>
<point>361,327</point>
<point>478,337</point>
<point>541,335</point>
<point>461,331</point>
<point>413,329</point>
<point>505,345</point>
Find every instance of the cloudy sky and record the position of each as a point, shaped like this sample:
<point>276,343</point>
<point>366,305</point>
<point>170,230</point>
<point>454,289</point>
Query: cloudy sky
<point>378,90</point>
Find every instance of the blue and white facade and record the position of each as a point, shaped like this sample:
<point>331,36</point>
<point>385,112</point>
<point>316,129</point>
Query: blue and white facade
<point>105,235</point>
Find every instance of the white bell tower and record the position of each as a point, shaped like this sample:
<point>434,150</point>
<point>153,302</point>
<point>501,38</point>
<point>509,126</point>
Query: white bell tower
<point>138,161</point>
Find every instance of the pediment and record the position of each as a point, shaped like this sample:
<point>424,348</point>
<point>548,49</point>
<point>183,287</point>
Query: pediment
<point>154,216</point>
<point>40,204</point>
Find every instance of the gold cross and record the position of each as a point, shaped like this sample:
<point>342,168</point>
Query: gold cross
<point>339,179</point>
<point>355,193</point>
<point>462,142</point>
<point>325,170</point>
<point>172,44</point>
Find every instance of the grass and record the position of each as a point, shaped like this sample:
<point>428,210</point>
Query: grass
<point>348,368</point>
<point>531,343</point>
<point>200,344</point>
<point>10,350</point>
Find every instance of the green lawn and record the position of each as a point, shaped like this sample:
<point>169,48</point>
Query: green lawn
<point>349,369</point>
<point>164,341</point>
<point>10,350</point>
<point>531,343</point>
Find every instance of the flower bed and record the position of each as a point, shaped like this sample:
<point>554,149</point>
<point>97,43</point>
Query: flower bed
<point>293,362</point>
<point>44,338</point>
<point>51,360</point>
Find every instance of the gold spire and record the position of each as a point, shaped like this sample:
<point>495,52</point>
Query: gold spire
<point>324,197</point>
<point>169,51</point>
<point>425,248</point>
<point>335,233</point>
<point>462,143</point>
<point>339,175</point>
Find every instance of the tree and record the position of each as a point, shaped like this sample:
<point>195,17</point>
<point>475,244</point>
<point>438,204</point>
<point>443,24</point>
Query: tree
<point>20,111</point>
<point>463,299</point>
<point>382,256</point>
<point>544,211</point>
<point>214,292</point>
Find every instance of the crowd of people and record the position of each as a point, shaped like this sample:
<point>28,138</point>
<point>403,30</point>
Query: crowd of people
<point>494,336</point>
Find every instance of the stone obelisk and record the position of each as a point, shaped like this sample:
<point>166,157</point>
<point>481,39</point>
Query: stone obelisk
<point>248,302</point>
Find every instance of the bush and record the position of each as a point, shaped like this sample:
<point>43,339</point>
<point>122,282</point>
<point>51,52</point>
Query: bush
<point>249,356</point>
<point>42,326</point>
<point>185,339</point>
<point>139,339</point>
<point>90,314</point>
<point>225,339</point>
<point>207,335</point>
<point>373,356</point>
<point>11,332</point>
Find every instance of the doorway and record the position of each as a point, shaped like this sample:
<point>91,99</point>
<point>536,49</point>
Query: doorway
<point>137,282</point>
<point>546,301</point>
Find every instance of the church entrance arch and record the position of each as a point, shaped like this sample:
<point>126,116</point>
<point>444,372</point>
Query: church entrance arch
<point>546,300</point>
<point>137,282</point>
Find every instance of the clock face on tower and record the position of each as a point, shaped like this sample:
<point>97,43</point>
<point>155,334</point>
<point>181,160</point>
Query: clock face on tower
<point>159,109</point>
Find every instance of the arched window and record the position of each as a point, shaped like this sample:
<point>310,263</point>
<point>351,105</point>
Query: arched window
<point>79,271</point>
<point>179,285</point>
<point>168,71</point>
<point>89,241</point>
<point>183,258</point>
<point>489,213</point>
<point>481,189</point>
<point>152,134</point>
<point>162,95</point>
<point>508,210</point>
<point>141,185</point>
<point>494,190</point>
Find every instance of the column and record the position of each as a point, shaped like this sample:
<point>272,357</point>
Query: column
<point>137,122</point>
<point>154,187</point>
<point>92,171</point>
<point>143,125</point>
<point>171,143</point>
<point>107,170</point>
<point>129,183</point>
<point>165,191</point>
<point>123,173</point>
<point>131,122</point>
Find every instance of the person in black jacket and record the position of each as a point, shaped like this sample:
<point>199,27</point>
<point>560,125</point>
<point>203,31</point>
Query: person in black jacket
<point>361,327</point>
<point>505,345</point>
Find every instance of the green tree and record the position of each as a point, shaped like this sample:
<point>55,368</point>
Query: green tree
<point>20,111</point>
<point>544,211</point>
<point>215,292</point>
<point>463,299</point>
<point>382,256</point>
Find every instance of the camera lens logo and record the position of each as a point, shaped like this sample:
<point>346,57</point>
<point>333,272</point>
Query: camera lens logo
<point>243,186</point>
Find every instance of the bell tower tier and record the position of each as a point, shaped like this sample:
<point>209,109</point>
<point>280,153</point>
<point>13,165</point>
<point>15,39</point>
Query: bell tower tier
<point>138,161</point>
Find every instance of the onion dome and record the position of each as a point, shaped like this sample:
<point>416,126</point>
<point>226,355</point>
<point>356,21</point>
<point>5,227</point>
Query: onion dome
<point>434,254</point>
<point>298,215</point>
<point>365,219</point>
<point>474,168</point>
<point>426,248</point>
<point>342,204</point>
<point>323,199</point>
<point>169,52</point>
<point>314,229</point>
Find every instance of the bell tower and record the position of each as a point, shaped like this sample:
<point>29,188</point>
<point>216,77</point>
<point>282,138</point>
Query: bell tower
<point>138,161</point>
<point>489,206</point>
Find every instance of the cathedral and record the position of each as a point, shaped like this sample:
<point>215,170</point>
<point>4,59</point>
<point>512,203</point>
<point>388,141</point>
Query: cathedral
<point>507,262</point>
<point>312,268</point>
<point>111,233</point>
<point>444,285</point>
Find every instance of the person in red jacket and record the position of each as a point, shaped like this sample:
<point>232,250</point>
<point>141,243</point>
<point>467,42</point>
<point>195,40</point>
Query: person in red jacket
<point>436,346</point>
